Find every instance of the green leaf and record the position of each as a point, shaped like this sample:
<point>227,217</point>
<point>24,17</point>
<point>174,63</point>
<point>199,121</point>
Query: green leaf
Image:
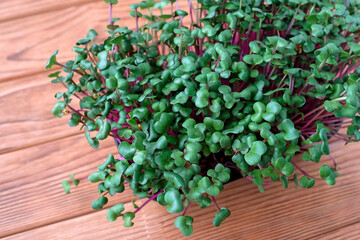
<point>317,30</point>
<point>213,190</point>
<point>180,13</point>
<point>259,109</point>
<point>114,212</point>
<point>93,142</point>
<point>134,204</point>
<point>137,5</point>
<point>164,122</point>
<point>242,69</point>
<point>161,4</point>
<point>253,157</point>
<point>184,223</point>
<point>225,36</point>
<point>253,59</point>
<point>272,109</point>
<point>290,132</point>
<point>225,58</point>
<point>125,132</point>
<point>111,1</point>
<point>102,56</point>
<point>254,46</point>
<point>288,169</point>
<point>92,34</point>
<point>52,60</point>
<point>202,98</point>
<point>97,176</point>
<point>328,174</point>
<point>221,216</point>
<point>104,131</point>
<point>306,183</point>
<point>66,186</point>
<point>188,63</point>
<point>162,142</point>
<point>172,198</point>
<point>83,41</point>
<point>126,150</point>
<point>110,159</point>
<point>99,203</point>
<point>204,183</point>
<point>175,178</point>
<point>355,47</point>
<point>58,109</point>
<point>74,120</point>
<point>141,113</point>
<point>127,217</point>
<point>209,30</point>
<point>139,157</point>
<point>325,171</point>
<point>111,83</point>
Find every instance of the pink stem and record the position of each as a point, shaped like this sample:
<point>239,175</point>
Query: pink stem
<point>187,207</point>
<point>215,203</point>
<point>301,170</point>
<point>147,201</point>
<point>333,160</point>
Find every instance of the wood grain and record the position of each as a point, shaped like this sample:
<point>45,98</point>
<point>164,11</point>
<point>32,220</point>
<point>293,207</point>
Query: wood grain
<point>45,32</point>
<point>27,104</point>
<point>15,9</point>
<point>350,232</point>
<point>25,52</point>
<point>38,151</point>
<point>30,188</point>
<point>274,214</point>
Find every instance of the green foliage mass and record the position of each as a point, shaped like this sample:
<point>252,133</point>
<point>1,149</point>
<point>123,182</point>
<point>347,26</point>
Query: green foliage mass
<point>246,86</point>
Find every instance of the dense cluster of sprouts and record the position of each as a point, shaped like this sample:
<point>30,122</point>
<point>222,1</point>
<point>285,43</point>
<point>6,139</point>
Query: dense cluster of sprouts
<point>229,87</point>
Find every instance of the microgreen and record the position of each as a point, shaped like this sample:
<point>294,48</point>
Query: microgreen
<point>241,90</point>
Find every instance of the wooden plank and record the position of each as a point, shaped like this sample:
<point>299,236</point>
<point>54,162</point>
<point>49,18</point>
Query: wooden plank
<point>30,188</point>
<point>15,9</point>
<point>48,31</point>
<point>351,232</point>
<point>28,121</point>
<point>274,214</point>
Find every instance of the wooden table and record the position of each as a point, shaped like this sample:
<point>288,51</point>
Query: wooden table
<point>38,151</point>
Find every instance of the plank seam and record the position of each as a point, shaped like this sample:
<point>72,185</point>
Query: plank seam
<point>90,212</point>
<point>333,230</point>
<point>45,10</point>
<point>5,151</point>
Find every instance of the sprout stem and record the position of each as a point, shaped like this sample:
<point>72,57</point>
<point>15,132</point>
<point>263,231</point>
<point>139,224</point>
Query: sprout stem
<point>301,170</point>
<point>74,70</point>
<point>215,203</point>
<point>136,20</point>
<point>333,160</point>
<point>292,21</point>
<point>187,207</point>
<point>110,14</point>
<point>147,201</point>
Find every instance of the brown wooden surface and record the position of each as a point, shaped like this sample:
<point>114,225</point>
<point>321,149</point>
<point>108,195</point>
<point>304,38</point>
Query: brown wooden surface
<point>37,151</point>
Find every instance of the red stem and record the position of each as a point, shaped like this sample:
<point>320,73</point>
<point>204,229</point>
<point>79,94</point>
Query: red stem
<point>301,170</point>
<point>215,203</point>
<point>187,207</point>
<point>147,201</point>
<point>333,160</point>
